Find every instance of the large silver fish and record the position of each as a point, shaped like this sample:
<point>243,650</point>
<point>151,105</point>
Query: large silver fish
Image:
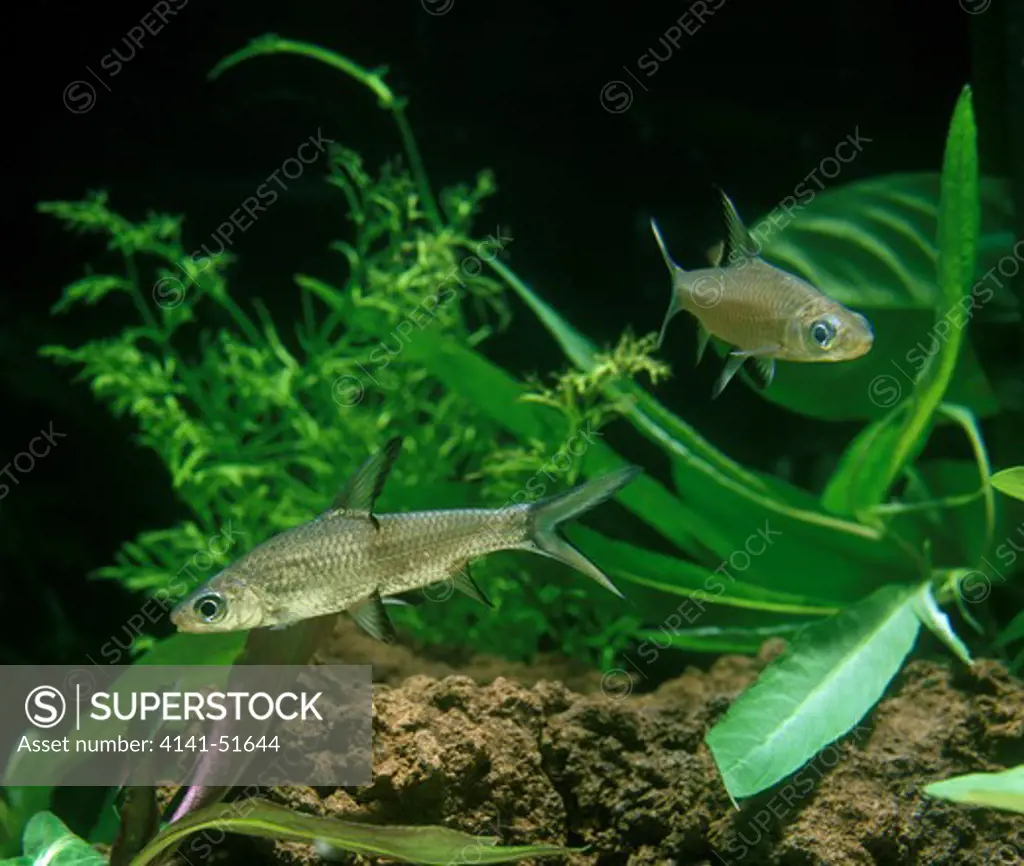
<point>350,559</point>
<point>765,313</point>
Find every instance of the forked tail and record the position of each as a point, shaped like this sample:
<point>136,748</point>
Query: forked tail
<point>673,269</point>
<point>548,514</point>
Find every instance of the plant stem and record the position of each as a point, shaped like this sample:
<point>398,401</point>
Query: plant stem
<point>371,78</point>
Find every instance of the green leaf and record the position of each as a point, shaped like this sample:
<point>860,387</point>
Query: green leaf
<point>679,577</point>
<point>827,681</point>
<point>1014,631</point>
<point>1010,482</point>
<point>870,244</point>
<point>723,639</point>
<point>866,388</point>
<point>1003,790</point>
<point>48,842</point>
<point>880,452</point>
<point>195,649</point>
<point>17,806</point>
<point>428,845</point>
<point>928,611</point>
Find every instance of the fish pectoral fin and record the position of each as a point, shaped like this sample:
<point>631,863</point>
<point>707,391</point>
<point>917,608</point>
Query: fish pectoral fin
<point>767,352</point>
<point>372,617</point>
<point>732,365</point>
<point>405,600</point>
<point>464,583</point>
<point>766,369</point>
<point>360,493</point>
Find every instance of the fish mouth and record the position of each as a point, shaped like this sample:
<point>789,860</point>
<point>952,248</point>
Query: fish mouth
<point>178,619</point>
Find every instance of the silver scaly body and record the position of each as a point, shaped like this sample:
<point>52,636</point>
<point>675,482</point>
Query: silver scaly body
<point>338,560</point>
<point>350,559</point>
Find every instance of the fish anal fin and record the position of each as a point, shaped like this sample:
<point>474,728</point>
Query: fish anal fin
<point>732,365</point>
<point>372,617</point>
<point>464,583</point>
<point>703,338</point>
<point>359,495</point>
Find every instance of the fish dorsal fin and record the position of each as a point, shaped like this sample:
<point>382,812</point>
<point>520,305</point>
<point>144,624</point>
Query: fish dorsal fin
<point>360,493</point>
<point>715,253</point>
<point>464,583</point>
<point>740,241</point>
<point>372,617</point>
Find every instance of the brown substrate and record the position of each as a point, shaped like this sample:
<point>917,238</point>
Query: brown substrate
<point>510,750</point>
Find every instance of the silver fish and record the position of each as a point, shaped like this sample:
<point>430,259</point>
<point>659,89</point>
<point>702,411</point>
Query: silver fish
<point>350,559</point>
<point>763,312</point>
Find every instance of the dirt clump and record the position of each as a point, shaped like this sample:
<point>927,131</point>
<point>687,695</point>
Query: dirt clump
<point>628,776</point>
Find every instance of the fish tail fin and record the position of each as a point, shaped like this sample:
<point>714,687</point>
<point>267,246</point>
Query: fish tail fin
<point>673,269</point>
<point>548,514</point>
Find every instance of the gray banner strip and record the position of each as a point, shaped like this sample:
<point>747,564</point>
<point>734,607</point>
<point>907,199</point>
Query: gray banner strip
<point>218,725</point>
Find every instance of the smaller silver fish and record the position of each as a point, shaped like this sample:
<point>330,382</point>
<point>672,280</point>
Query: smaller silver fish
<point>350,559</point>
<point>764,312</point>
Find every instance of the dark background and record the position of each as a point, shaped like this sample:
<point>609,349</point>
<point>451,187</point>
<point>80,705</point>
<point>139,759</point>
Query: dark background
<point>752,101</point>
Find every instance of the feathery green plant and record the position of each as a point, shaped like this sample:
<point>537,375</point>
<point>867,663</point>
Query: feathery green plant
<point>258,426</point>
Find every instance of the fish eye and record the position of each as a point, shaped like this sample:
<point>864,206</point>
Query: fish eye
<point>823,332</point>
<point>210,607</point>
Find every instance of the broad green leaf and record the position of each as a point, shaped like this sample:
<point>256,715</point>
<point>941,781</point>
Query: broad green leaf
<point>931,615</point>
<point>871,244</point>
<point>679,577</point>
<point>858,558</point>
<point>48,842</point>
<point>17,806</point>
<point>195,649</point>
<point>1014,631</point>
<point>880,452</point>
<point>867,387</point>
<point>429,845</point>
<point>490,387</point>
<point>1003,790</point>
<point>941,507</point>
<point>722,639</point>
<point>946,504</point>
<point>1010,482</point>
<point>829,679</point>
